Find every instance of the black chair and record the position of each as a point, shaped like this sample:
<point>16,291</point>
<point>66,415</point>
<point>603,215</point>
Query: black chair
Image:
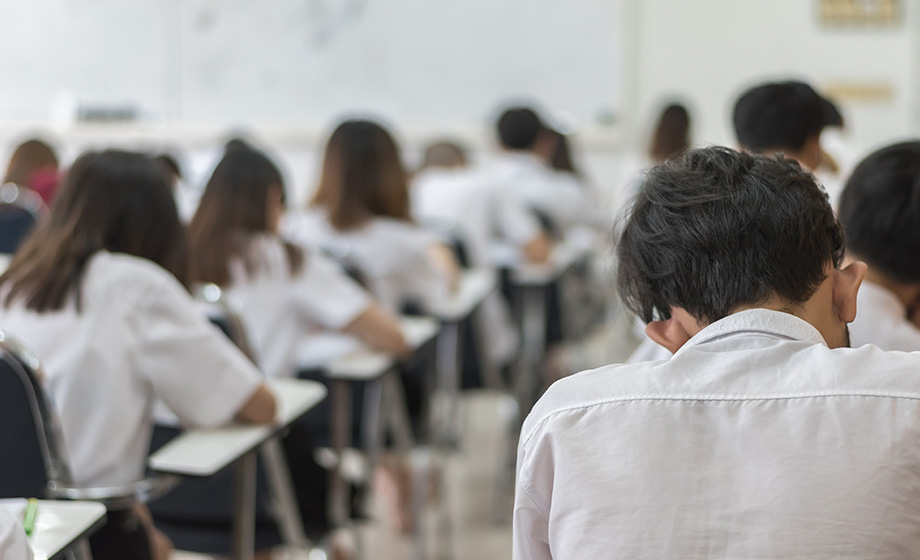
<point>18,215</point>
<point>32,458</point>
<point>197,514</point>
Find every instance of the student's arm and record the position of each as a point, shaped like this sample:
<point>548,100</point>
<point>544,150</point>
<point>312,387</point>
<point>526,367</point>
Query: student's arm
<point>379,330</point>
<point>517,224</point>
<point>261,408</point>
<point>191,365</point>
<point>530,527</point>
<point>443,259</point>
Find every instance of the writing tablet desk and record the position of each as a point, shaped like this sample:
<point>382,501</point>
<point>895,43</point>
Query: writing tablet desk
<point>59,525</point>
<point>475,285</point>
<point>378,368</point>
<point>531,283</point>
<point>206,451</point>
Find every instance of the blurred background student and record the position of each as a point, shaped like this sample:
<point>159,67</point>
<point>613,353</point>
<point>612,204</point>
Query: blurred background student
<point>96,293</point>
<point>361,211</point>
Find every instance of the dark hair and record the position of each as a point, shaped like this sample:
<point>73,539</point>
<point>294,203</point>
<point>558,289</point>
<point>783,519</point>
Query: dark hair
<point>170,164</point>
<point>233,207</point>
<point>559,154</point>
<point>111,200</point>
<point>672,133</point>
<point>715,229</point>
<point>831,113</point>
<point>362,176</point>
<point>778,116</point>
<point>28,158</point>
<point>444,154</point>
<point>880,211</point>
<point>518,128</point>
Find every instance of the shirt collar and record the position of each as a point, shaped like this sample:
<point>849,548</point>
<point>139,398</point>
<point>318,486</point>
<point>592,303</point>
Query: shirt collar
<point>762,321</point>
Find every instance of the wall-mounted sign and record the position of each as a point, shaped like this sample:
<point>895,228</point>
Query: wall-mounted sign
<point>861,13</point>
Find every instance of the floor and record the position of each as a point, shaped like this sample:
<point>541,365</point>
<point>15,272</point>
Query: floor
<point>474,516</point>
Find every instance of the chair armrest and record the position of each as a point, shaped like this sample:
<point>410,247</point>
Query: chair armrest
<point>116,497</point>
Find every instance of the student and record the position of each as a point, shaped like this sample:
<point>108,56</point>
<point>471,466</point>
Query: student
<point>671,136</point>
<point>880,212</point>
<point>447,192</point>
<point>520,171</point>
<point>772,118</point>
<point>781,117</point>
<point>285,293</point>
<point>34,166</point>
<point>764,436</point>
<point>95,293</point>
<point>13,542</point>
<point>361,208</point>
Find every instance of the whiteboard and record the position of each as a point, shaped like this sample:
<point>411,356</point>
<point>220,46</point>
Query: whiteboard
<point>419,63</point>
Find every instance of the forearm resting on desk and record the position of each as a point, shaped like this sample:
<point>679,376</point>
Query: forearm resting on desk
<point>379,330</point>
<point>261,408</point>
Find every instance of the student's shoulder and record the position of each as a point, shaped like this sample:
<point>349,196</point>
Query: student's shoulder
<point>123,275</point>
<point>594,387</point>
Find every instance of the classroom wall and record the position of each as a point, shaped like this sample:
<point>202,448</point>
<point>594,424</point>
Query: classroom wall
<point>707,51</point>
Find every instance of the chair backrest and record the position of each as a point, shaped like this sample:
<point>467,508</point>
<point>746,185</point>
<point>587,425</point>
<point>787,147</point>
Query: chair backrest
<point>15,223</point>
<point>31,446</point>
<point>224,315</point>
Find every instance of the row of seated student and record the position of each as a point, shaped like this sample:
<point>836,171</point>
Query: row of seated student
<point>100,293</point>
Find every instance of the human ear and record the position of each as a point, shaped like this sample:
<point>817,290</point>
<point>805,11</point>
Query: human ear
<point>671,333</point>
<point>846,285</point>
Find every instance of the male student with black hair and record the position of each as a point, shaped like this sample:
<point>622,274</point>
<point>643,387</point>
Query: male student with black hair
<point>781,117</point>
<point>519,170</point>
<point>880,212</point>
<point>764,436</point>
<point>770,118</point>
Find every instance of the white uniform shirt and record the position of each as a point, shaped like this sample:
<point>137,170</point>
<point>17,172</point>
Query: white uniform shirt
<point>139,336</point>
<point>881,319</point>
<point>13,543</point>
<point>281,309</point>
<point>462,199</point>
<point>392,254</point>
<point>754,441</point>
<point>556,195</point>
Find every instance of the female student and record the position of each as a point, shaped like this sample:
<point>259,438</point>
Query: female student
<point>95,293</point>
<point>285,293</point>
<point>361,210</point>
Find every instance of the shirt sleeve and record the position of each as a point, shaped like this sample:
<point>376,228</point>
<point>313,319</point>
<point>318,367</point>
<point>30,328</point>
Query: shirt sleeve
<point>326,295</point>
<point>191,365</point>
<point>530,527</point>
<point>514,221</point>
<point>13,542</point>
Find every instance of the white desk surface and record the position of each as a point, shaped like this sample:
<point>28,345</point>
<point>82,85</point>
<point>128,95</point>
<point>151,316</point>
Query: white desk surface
<point>205,451</point>
<point>475,284</point>
<point>366,364</point>
<point>58,523</point>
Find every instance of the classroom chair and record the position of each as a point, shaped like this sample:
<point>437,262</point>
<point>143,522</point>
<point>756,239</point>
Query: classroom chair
<point>34,463</point>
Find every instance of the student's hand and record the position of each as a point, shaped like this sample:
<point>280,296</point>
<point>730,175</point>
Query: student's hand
<point>261,408</point>
<point>537,250</point>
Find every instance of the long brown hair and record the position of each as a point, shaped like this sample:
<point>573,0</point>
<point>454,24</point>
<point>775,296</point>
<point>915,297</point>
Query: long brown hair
<point>362,177</point>
<point>28,158</point>
<point>672,133</point>
<point>233,207</point>
<point>111,200</point>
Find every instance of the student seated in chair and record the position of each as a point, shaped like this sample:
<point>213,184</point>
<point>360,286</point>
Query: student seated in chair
<point>880,212</point>
<point>765,436</point>
<point>96,293</point>
<point>781,117</point>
